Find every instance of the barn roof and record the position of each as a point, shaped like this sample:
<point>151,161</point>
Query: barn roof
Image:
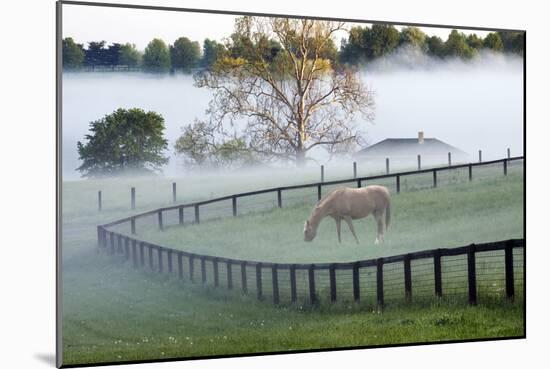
<point>409,147</point>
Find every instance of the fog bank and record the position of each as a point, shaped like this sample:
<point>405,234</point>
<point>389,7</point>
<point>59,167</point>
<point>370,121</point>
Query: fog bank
<point>471,105</point>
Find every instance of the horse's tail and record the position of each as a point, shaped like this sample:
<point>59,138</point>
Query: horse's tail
<point>388,215</point>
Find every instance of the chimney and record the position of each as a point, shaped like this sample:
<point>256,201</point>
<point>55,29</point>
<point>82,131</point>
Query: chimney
<point>421,137</point>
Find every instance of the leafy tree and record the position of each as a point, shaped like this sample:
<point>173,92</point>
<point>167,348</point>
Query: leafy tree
<point>212,51</point>
<point>201,148</point>
<point>493,42</point>
<point>292,102</point>
<point>457,46</point>
<point>129,55</point>
<point>512,41</point>
<point>96,53</point>
<point>474,41</point>
<point>124,141</point>
<point>413,36</point>
<point>365,44</point>
<point>185,54</point>
<point>156,57</point>
<point>380,40</point>
<point>436,46</point>
<point>73,53</point>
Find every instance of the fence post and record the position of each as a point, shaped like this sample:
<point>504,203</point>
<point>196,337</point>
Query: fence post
<point>387,165</point>
<point>509,270</point>
<point>170,268</point>
<point>259,281</point>
<point>228,267</point>
<point>234,205</point>
<point>398,184</point>
<point>354,169</point>
<point>119,243</point>
<point>150,256</point>
<point>197,215</point>
<point>358,183</point>
<point>408,281</point>
<point>112,237</point>
<point>472,290</point>
<point>380,282</point>
<point>127,248</point>
<point>505,166</point>
<point>141,254</point>
<point>480,156</point>
<point>356,291</point>
<point>180,265</point>
<point>174,192</point>
<point>311,279</point>
<point>470,172</point>
<point>159,253</point>
<point>134,253</point>
<point>216,275</point>
<point>437,273</point>
<point>435,178</point>
<point>180,215</point>
<point>332,277</point>
<point>161,226</point>
<point>279,199</point>
<point>449,157</point>
<point>133,198</point>
<point>319,192</point>
<point>98,200</point>
<point>203,269</point>
<point>191,267</point>
<point>293,283</point>
<point>322,173</point>
<point>275,281</point>
<point>133,225</point>
<point>419,159</point>
<point>243,277</point>
<point>508,152</point>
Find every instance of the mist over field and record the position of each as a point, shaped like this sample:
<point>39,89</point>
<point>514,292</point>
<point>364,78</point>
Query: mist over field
<point>471,105</point>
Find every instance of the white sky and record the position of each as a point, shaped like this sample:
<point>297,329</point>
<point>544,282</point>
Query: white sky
<point>88,23</point>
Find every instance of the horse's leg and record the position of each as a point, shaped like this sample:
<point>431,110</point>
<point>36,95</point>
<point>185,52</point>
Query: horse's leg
<point>350,225</point>
<point>338,222</point>
<point>380,231</point>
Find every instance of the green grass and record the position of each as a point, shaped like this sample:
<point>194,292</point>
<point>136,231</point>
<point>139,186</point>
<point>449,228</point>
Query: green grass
<point>112,312</point>
<point>448,216</point>
<point>118,314</point>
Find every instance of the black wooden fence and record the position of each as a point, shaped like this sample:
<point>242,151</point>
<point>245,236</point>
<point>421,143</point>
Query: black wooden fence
<point>449,271</point>
<point>496,268</point>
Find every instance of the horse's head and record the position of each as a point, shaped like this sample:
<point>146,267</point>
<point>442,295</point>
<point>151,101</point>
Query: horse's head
<point>309,231</point>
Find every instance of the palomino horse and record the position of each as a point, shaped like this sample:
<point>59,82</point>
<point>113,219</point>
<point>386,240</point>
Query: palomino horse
<point>351,203</point>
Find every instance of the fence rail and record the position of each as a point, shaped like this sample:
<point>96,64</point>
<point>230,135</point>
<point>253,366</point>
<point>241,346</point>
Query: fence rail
<point>279,190</point>
<point>497,268</point>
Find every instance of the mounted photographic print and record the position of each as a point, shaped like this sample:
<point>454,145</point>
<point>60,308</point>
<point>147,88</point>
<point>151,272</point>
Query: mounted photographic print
<point>238,184</point>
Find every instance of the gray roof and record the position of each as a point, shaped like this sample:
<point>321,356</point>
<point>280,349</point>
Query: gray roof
<point>409,147</point>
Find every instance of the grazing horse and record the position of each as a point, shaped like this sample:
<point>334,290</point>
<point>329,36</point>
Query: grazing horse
<point>351,203</point>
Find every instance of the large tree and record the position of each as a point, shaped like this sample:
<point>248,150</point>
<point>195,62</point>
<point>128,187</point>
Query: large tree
<point>288,102</point>
<point>73,53</point>
<point>457,45</point>
<point>211,52</point>
<point>493,42</point>
<point>129,55</point>
<point>185,54</point>
<point>156,57</point>
<point>125,141</point>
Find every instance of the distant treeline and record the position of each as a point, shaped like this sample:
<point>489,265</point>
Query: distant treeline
<point>363,44</point>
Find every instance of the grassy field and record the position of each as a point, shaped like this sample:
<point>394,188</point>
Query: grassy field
<point>112,312</point>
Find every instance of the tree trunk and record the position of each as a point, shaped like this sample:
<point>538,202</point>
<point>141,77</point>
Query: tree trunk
<point>300,158</point>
